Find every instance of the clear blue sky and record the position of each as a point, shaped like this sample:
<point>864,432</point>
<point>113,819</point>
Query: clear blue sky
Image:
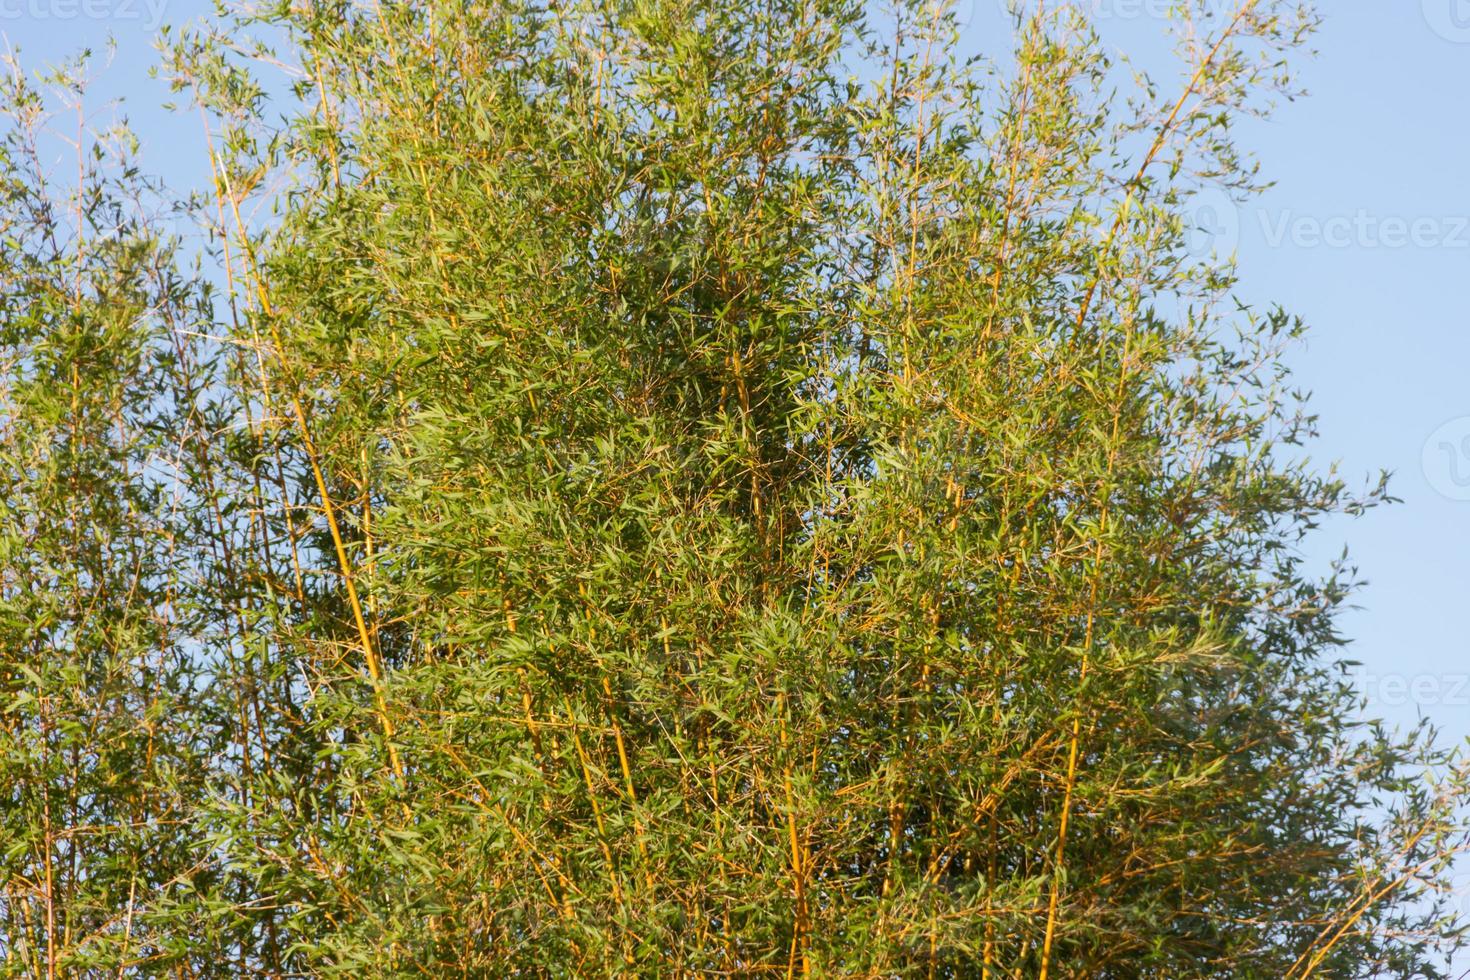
<point>1366,235</point>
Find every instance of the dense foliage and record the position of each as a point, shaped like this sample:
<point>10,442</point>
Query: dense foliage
<point>678,488</point>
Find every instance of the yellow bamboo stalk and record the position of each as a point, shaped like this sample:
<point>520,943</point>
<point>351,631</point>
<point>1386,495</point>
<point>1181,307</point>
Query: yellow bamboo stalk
<point>1308,960</point>
<point>1074,743</point>
<point>628,782</point>
<point>798,864</point>
<point>370,654</point>
<point>602,837</point>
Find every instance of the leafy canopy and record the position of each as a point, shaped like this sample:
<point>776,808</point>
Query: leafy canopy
<point>679,488</point>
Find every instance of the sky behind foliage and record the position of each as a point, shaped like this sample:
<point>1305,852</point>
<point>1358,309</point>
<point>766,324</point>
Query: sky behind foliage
<point>1366,235</point>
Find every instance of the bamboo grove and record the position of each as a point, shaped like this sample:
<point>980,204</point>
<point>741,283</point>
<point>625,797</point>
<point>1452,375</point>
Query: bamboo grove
<point>677,488</point>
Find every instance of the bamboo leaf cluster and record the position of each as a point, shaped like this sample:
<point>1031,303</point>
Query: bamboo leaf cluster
<point>679,489</point>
